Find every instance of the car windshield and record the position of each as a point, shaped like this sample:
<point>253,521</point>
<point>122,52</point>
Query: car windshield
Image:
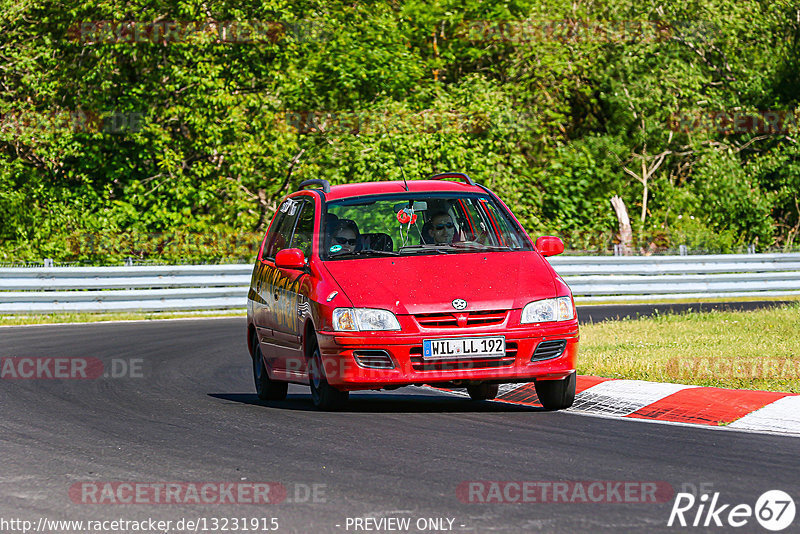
<point>412,224</point>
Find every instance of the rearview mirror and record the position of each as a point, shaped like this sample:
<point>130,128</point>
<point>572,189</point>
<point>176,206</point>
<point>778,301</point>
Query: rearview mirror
<point>419,205</point>
<point>549,245</point>
<point>290,258</point>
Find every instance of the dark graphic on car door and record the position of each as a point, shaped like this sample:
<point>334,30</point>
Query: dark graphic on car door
<point>279,289</point>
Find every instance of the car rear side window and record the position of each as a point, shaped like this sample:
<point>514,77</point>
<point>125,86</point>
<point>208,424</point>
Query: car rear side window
<point>280,233</point>
<point>304,233</point>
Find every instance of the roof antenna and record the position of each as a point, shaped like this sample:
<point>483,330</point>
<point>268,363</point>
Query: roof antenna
<point>402,170</point>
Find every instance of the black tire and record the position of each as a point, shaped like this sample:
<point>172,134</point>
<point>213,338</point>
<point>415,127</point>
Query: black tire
<point>323,395</point>
<point>483,391</point>
<point>266,388</point>
<point>556,394</point>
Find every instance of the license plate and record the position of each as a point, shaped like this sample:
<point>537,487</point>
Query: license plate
<point>463,347</point>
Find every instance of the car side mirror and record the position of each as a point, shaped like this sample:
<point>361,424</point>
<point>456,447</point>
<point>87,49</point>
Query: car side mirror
<point>549,245</point>
<point>290,258</point>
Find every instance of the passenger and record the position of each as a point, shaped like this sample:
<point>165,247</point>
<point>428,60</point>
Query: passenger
<point>345,236</point>
<point>441,229</point>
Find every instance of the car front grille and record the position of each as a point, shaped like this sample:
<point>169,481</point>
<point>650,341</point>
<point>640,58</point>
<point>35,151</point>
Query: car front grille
<point>374,359</point>
<point>419,364</point>
<point>455,320</point>
<point>549,349</point>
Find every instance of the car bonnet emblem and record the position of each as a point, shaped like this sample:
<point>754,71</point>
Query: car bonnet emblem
<point>459,304</point>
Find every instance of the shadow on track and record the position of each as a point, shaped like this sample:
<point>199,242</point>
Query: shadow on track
<point>361,402</point>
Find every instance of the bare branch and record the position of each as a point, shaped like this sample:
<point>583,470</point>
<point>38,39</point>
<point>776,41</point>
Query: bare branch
<point>626,169</point>
<point>249,193</point>
<point>753,140</point>
<point>290,170</point>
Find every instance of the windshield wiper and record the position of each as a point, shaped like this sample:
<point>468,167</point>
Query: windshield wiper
<point>475,246</point>
<point>441,249</point>
<point>365,253</point>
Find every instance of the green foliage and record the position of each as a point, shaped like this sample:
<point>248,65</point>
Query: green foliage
<point>130,141</point>
<point>729,199</point>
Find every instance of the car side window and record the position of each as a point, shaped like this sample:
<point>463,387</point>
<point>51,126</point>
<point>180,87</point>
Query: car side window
<point>471,220</point>
<point>304,232</point>
<point>280,233</point>
<point>504,227</point>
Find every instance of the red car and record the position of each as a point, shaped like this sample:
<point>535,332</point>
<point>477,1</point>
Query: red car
<point>387,284</point>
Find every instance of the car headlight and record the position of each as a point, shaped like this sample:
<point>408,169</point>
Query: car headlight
<point>360,319</point>
<point>542,311</point>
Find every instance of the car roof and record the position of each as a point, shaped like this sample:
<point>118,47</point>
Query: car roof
<point>414,186</point>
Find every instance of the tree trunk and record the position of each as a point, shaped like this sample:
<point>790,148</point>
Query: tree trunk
<point>645,178</point>
<point>625,232</point>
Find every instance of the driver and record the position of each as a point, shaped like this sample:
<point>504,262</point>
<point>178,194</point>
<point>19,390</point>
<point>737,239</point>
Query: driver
<point>442,228</point>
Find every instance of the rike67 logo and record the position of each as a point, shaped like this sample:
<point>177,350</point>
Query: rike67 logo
<point>774,510</point>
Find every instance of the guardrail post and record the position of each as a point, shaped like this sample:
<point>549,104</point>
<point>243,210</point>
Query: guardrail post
<point>48,262</point>
<point>684,250</point>
<point>751,248</point>
<point>617,249</point>
<point>128,262</point>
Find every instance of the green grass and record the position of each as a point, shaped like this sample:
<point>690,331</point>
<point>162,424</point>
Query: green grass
<point>18,320</point>
<point>745,350</point>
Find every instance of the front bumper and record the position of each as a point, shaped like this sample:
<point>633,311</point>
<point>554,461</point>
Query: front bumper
<point>343,370</point>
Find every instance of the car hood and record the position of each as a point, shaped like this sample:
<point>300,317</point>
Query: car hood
<point>429,284</point>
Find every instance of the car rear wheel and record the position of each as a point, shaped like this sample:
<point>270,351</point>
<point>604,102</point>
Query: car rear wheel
<point>556,394</point>
<point>266,388</point>
<point>323,395</point>
<point>483,391</point>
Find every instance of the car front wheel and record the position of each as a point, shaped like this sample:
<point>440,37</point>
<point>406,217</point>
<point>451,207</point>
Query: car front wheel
<point>556,394</point>
<point>323,395</point>
<point>266,388</point>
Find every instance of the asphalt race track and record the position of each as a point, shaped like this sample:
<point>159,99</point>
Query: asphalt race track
<point>183,409</point>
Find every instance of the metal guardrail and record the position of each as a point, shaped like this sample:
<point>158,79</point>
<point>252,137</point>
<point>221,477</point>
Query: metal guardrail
<point>146,288</point>
<point>632,278</point>
<point>216,287</point>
